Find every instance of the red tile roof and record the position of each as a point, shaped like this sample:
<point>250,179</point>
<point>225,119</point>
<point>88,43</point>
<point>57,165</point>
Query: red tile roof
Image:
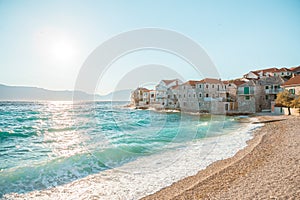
<point>273,69</point>
<point>293,81</point>
<point>143,89</point>
<point>174,87</point>
<point>211,81</point>
<point>283,70</point>
<point>295,69</point>
<point>237,82</point>
<point>167,82</point>
<point>191,83</point>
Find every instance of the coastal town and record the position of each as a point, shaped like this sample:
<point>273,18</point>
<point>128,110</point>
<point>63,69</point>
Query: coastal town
<point>256,91</point>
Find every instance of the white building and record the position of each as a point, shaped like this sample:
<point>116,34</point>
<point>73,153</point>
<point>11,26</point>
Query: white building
<point>283,72</point>
<point>162,91</point>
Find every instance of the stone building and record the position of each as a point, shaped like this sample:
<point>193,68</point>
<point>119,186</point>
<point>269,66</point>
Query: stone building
<point>163,90</point>
<point>247,97</point>
<point>140,97</point>
<point>293,85</point>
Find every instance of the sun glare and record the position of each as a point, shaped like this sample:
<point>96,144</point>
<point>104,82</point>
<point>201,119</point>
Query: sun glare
<point>56,45</point>
<point>62,50</point>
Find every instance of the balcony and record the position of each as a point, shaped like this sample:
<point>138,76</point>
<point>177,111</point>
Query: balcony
<point>242,92</point>
<point>273,91</point>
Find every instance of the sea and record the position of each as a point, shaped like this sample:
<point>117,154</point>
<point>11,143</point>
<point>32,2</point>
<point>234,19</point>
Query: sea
<point>104,150</point>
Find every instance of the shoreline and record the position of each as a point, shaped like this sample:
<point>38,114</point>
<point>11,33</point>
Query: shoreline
<point>226,179</point>
<point>128,181</point>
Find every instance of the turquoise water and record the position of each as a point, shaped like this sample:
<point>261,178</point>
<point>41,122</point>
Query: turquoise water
<point>46,144</point>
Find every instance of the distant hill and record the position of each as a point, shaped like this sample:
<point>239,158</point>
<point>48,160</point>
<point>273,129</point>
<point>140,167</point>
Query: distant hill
<point>34,93</point>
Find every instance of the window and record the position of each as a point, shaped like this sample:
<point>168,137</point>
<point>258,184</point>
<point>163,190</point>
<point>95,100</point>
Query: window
<point>246,90</point>
<point>199,86</point>
<point>184,96</point>
<point>189,95</point>
<point>226,107</point>
<point>213,86</point>
<point>267,97</point>
<point>267,87</point>
<point>247,97</point>
<point>199,104</point>
<point>206,85</point>
<point>207,95</point>
<point>292,91</point>
<point>194,95</point>
<point>200,95</point>
<point>152,95</point>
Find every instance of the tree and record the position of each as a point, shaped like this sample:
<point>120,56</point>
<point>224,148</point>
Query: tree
<point>285,99</point>
<point>296,102</point>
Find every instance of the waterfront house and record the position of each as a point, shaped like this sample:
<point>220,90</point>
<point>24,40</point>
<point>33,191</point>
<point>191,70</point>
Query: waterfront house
<point>260,73</point>
<point>187,96</point>
<point>140,97</point>
<point>267,90</point>
<point>247,97</point>
<point>231,87</point>
<point>152,94</point>
<point>162,92</point>
<point>293,85</point>
<point>172,94</point>
<point>210,89</point>
<point>283,72</point>
<point>212,96</point>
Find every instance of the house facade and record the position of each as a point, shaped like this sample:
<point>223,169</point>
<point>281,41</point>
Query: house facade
<point>283,72</point>
<point>293,85</point>
<point>255,92</point>
<point>163,90</point>
<point>270,87</point>
<point>140,97</point>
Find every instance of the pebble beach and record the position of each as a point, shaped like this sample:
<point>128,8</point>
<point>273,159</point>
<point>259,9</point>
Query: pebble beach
<point>268,168</point>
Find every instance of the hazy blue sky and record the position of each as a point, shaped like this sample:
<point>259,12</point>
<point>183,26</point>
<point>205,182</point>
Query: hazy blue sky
<point>44,43</point>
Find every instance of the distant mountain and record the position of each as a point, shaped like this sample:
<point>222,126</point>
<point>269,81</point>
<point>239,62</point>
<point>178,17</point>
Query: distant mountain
<point>34,93</point>
<point>120,95</point>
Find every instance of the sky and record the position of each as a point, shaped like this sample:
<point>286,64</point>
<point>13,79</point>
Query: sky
<point>45,43</point>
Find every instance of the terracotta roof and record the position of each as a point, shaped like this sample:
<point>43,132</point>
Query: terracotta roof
<point>295,69</point>
<point>144,89</point>
<point>256,72</point>
<point>174,87</point>
<point>211,80</point>
<point>192,83</point>
<point>167,82</point>
<point>293,81</point>
<point>283,70</point>
<point>237,82</point>
<point>273,69</point>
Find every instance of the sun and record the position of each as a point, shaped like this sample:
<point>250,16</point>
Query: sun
<point>57,46</point>
<point>62,50</point>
